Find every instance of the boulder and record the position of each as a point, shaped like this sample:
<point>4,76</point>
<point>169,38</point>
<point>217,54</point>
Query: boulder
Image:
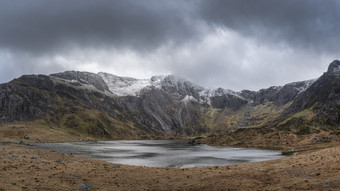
<point>85,186</point>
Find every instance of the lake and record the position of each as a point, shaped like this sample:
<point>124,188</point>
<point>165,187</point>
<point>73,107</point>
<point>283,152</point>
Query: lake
<point>161,153</point>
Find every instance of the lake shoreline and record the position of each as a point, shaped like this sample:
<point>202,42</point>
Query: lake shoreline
<point>49,170</point>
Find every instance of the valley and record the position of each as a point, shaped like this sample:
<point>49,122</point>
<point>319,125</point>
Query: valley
<point>298,118</point>
<point>152,95</point>
<point>76,106</point>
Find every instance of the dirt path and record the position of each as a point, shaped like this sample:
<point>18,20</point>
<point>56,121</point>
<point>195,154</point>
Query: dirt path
<point>26,168</point>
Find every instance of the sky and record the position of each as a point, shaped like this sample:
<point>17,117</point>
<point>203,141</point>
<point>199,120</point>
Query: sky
<point>233,44</point>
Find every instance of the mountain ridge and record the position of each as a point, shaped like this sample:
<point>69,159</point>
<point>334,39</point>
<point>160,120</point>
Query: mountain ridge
<point>106,106</point>
<point>124,83</point>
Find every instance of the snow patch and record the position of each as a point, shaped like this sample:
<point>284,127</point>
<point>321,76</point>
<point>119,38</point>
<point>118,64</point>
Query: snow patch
<point>220,92</point>
<point>276,87</point>
<point>156,81</point>
<point>305,84</point>
<point>206,95</point>
<point>188,99</point>
<point>124,86</point>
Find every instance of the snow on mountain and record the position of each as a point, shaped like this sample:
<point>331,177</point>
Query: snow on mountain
<point>83,79</point>
<point>188,98</point>
<point>206,95</point>
<point>178,82</point>
<point>126,86</point>
<point>308,83</point>
<point>302,85</point>
<point>179,87</point>
<point>219,92</point>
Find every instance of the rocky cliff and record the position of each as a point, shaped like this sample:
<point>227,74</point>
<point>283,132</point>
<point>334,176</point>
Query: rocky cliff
<point>109,106</point>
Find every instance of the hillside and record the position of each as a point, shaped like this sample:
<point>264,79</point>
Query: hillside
<point>80,105</point>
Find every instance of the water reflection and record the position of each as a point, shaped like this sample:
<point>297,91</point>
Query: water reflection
<point>162,153</point>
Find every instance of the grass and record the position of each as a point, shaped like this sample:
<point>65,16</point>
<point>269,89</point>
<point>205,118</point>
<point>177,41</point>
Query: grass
<point>37,131</point>
<point>246,117</point>
<point>306,114</point>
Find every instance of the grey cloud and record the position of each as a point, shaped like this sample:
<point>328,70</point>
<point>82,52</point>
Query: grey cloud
<point>41,26</point>
<point>303,33</point>
<point>14,65</point>
<point>214,74</point>
<point>46,26</point>
<point>307,24</point>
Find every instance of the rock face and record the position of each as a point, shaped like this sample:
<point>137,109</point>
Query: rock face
<point>323,95</point>
<point>334,67</point>
<point>20,103</point>
<point>107,105</point>
<point>83,79</point>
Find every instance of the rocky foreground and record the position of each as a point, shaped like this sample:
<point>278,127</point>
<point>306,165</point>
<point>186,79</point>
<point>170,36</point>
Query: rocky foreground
<point>26,168</point>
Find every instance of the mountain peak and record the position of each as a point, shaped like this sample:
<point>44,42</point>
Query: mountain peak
<point>124,86</point>
<point>334,67</point>
<point>83,78</point>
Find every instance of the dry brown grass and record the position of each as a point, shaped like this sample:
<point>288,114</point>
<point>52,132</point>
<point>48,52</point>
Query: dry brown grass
<point>26,168</point>
<point>38,131</point>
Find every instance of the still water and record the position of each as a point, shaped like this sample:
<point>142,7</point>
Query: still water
<point>162,153</point>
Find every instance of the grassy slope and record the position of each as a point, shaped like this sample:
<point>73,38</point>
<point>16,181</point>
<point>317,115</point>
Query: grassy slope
<point>262,126</point>
<point>247,117</point>
<point>73,120</point>
<point>77,122</point>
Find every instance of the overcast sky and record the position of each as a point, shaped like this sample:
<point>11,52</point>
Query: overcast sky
<point>234,44</point>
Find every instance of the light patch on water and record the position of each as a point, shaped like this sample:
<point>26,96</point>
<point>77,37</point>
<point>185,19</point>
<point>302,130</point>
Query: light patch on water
<point>162,153</point>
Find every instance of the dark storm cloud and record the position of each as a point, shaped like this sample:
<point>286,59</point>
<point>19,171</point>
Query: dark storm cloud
<point>307,24</point>
<point>230,43</point>
<point>42,26</point>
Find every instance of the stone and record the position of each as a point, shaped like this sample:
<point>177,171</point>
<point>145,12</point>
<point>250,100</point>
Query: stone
<point>85,186</point>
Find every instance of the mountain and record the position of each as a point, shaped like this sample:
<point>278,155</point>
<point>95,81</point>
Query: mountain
<point>106,106</point>
<point>324,95</point>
